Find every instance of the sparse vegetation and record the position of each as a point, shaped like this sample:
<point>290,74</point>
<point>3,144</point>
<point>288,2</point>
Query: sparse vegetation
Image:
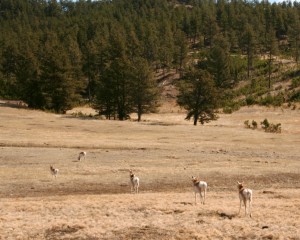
<point>295,82</point>
<point>266,126</point>
<point>271,127</point>
<point>252,126</point>
<point>270,100</point>
<point>82,115</point>
<point>246,124</point>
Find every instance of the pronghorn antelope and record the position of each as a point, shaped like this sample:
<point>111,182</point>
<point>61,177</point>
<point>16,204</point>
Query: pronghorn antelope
<point>54,171</point>
<point>135,182</point>
<point>81,155</point>
<point>245,194</point>
<point>199,187</point>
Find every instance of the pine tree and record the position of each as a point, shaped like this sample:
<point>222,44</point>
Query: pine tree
<point>294,33</point>
<point>180,50</point>
<point>218,63</point>
<point>144,90</point>
<point>248,41</point>
<point>59,88</point>
<point>272,49</point>
<point>198,95</point>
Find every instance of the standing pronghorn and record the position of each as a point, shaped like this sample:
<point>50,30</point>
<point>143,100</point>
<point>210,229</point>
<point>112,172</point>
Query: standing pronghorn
<point>245,194</point>
<point>54,171</point>
<point>135,182</point>
<point>199,187</point>
<point>81,155</point>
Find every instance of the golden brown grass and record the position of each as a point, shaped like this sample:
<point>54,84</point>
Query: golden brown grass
<point>90,199</point>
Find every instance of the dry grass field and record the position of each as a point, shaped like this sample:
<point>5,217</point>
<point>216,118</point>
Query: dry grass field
<point>91,199</point>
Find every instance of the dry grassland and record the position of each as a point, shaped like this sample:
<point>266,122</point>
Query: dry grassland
<point>91,199</point>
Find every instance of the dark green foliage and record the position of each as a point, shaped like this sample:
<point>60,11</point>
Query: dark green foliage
<point>265,125</point>
<point>126,87</point>
<point>198,95</point>
<point>55,54</point>
<point>270,127</point>
<point>58,85</point>
<point>144,90</point>
<point>250,100</point>
<point>295,82</point>
<point>269,100</point>
<point>219,63</point>
<point>295,96</point>
<point>252,126</point>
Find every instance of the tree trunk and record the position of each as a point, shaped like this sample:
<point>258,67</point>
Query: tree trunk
<point>270,60</point>
<point>248,67</point>
<point>195,119</point>
<point>139,113</point>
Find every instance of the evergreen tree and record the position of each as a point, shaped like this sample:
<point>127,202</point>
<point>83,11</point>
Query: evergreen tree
<point>166,46</point>
<point>144,91</point>
<point>294,33</point>
<point>180,50</point>
<point>218,63</point>
<point>271,48</point>
<point>59,88</point>
<point>8,68</point>
<point>94,38</point>
<point>198,95</point>
<point>248,41</point>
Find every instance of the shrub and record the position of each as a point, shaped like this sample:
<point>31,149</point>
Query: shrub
<point>232,107</point>
<point>82,115</point>
<point>227,110</point>
<point>295,82</point>
<point>295,97</point>
<point>265,124</point>
<point>270,100</point>
<point>250,100</point>
<point>246,124</point>
<point>254,124</point>
<point>270,127</point>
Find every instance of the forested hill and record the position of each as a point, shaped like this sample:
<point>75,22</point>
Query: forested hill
<point>57,54</point>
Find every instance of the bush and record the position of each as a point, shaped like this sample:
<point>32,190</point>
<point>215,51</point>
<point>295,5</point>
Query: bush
<point>270,100</point>
<point>246,124</point>
<point>265,124</point>
<point>227,110</point>
<point>250,100</point>
<point>254,124</point>
<point>232,108</point>
<point>82,115</point>
<point>270,127</point>
<point>295,82</point>
<point>295,97</point>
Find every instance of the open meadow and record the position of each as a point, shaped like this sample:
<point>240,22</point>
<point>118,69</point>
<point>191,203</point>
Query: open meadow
<point>90,199</point>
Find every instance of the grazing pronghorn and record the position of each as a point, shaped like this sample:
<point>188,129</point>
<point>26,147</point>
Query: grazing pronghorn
<point>199,187</point>
<point>245,195</point>
<point>54,171</point>
<point>135,182</point>
<point>81,155</point>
